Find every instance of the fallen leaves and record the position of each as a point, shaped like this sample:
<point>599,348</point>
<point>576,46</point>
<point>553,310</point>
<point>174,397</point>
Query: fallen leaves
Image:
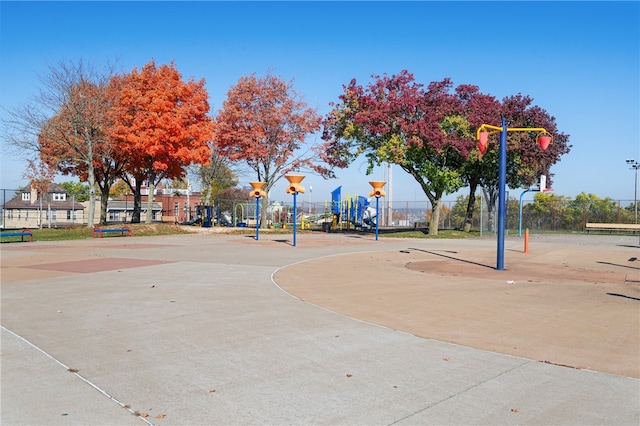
<point>72,370</point>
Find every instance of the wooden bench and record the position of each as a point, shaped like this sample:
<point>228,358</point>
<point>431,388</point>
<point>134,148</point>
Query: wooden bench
<point>611,227</point>
<point>25,232</point>
<point>122,231</point>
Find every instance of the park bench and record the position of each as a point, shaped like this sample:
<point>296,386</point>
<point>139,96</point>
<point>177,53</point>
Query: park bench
<point>25,232</point>
<point>612,227</point>
<point>122,231</point>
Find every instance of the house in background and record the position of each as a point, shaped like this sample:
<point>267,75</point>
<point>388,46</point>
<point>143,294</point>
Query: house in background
<point>57,209</point>
<point>121,210</point>
<point>54,209</point>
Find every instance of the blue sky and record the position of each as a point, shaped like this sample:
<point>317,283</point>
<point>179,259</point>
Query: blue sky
<point>577,60</point>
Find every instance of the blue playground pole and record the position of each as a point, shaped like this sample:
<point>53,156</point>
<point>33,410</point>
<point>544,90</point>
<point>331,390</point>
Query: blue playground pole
<point>294,218</point>
<point>377,217</point>
<point>502,183</point>
<point>257,217</point>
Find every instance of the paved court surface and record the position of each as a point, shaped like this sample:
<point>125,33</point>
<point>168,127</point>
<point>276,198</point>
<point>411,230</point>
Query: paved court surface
<point>222,329</point>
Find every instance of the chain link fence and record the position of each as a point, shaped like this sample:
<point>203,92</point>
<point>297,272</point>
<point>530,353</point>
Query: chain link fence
<point>553,213</point>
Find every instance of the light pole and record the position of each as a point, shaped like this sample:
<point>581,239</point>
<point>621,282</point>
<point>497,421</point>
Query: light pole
<point>377,192</point>
<point>294,188</point>
<point>482,135</point>
<point>258,193</point>
<point>635,166</point>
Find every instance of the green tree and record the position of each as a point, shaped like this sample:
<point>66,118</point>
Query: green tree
<point>78,190</point>
<point>215,177</point>
<point>548,211</point>
<point>460,209</point>
<point>596,209</point>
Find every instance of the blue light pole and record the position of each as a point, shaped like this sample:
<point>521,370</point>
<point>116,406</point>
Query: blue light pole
<point>295,215</point>
<point>502,203</point>
<point>257,218</point>
<point>258,193</point>
<point>377,192</point>
<point>482,134</point>
<point>293,188</point>
<point>377,216</point>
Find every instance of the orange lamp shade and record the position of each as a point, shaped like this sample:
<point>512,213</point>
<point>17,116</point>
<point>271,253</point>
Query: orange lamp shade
<point>377,186</point>
<point>257,190</point>
<point>544,141</point>
<point>294,184</point>
<point>483,142</point>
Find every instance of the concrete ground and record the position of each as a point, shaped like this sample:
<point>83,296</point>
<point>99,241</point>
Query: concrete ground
<point>341,329</point>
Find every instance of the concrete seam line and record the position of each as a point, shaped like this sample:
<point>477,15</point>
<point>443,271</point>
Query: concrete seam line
<point>87,381</point>
<point>502,373</point>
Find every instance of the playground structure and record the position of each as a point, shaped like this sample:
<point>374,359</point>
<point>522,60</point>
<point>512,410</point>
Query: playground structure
<point>351,213</point>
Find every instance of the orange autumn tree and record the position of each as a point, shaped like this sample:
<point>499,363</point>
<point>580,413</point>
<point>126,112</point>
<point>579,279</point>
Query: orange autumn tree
<point>74,140</point>
<point>161,122</point>
<point>264,123</point>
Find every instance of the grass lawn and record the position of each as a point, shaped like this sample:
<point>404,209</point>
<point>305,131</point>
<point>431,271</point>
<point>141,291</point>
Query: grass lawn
<point>80,233</point>
<point>145,230</point>
<point>442,234</point>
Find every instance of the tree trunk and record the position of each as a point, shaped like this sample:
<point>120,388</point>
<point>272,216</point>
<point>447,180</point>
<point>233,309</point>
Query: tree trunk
<point>264,213</point>
<point>152,188</point>
<point>435,216</point>
<point>137,202</point>
<point>104,203</point>
<point>471,205</point>
<point>91,180</point>
<point>490,197</point>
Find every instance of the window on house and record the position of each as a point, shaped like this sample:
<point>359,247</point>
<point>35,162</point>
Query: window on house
<point>59,196</point>
<point>26,196</point>
<point>10,214</point>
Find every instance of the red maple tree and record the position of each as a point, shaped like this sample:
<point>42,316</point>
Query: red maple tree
<point>264,123</point>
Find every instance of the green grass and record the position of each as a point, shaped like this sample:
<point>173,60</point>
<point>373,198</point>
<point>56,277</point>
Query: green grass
<point>81,233</point>
<point>442,234</point>
<point>157,229</point>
